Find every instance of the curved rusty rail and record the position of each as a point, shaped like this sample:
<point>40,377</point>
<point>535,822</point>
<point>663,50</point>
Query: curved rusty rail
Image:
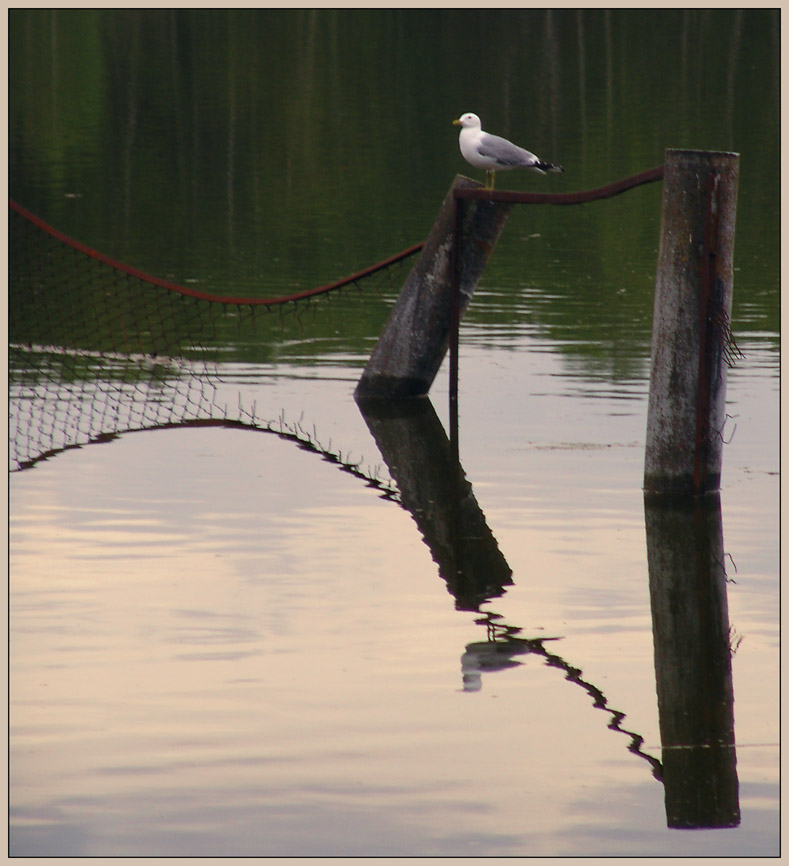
<point>582,197</point>
<point>206,296</point>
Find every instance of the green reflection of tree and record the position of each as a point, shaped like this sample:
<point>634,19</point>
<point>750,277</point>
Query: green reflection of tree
<point>278,149</point>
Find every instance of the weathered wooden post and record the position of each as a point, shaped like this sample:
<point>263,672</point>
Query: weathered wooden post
<point>415,338</point>
<point>691,335</point>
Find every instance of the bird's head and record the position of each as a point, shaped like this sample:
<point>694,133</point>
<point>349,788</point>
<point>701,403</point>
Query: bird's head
<point>468,120</point>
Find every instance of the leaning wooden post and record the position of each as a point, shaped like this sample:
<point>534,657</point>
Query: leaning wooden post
<point>691,334</point>
<point>415,338</point>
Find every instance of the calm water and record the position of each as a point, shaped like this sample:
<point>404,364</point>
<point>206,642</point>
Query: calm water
<point>225,641</point>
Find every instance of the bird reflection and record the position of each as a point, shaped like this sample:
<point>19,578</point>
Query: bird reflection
<point>498,653</point>
<point>692,653</point>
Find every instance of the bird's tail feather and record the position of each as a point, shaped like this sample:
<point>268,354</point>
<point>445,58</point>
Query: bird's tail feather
<point>549,166</point>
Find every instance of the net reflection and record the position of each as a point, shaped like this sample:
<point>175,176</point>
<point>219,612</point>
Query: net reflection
<point>434,489</point>
<point>684,541</point>
<point>688,600</point>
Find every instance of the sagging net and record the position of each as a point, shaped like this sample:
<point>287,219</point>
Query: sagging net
<point>97,348</point>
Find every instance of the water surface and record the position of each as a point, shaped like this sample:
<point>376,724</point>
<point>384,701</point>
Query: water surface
<point>239,625</point>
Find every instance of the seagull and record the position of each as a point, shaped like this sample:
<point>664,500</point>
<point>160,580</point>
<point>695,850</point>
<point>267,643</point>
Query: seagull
<point>491,152</point>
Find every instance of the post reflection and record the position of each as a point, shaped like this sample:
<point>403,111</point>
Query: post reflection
<point>434,489</point>
<point>690,626</point>
<point>436,492</point>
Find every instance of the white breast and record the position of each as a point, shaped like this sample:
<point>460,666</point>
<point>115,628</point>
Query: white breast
<point>469,141</point>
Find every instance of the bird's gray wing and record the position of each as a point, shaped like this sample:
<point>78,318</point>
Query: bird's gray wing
<point>505,152</point>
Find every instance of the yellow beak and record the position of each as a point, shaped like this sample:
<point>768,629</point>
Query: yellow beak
<point>456,123</point>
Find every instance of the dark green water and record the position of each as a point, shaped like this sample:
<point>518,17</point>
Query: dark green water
<point>260,150</point>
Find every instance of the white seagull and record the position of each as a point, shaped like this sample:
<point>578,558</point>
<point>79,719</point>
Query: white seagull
<point>493,153</point>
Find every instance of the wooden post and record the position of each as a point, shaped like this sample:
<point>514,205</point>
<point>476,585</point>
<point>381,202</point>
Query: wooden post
<point>415,338</point>
<point>691,335</point>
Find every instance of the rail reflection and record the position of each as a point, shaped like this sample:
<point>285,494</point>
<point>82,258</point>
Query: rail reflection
<point>688,600</point>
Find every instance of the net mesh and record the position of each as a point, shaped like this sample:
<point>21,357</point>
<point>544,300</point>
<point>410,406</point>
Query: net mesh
<point>97,348</point>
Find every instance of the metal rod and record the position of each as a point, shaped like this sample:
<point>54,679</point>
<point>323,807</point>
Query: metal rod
<point>513,197</point>
<point>454,327</point>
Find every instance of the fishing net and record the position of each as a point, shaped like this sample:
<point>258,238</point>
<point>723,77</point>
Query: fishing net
<point>97,348</point>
